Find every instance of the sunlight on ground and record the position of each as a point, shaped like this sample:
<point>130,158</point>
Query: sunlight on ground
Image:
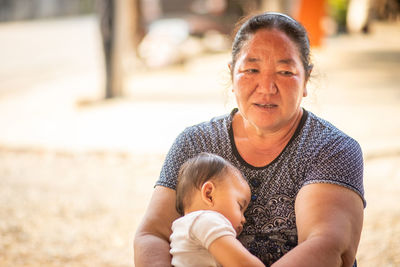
<point>75,178</point>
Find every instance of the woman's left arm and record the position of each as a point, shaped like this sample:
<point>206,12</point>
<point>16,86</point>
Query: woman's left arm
<point>329,220</point>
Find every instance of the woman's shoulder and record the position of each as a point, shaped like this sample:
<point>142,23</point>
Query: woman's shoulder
<point>320,132</point>
<point>322,127</point>
<point>210,136</point>
<point>215,124</point>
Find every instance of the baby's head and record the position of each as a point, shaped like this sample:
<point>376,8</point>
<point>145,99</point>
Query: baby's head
<point>209,182</point>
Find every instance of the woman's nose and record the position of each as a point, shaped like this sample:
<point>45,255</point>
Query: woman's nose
<point>267,84</point>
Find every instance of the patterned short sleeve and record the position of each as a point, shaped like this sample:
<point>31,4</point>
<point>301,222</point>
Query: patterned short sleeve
<point>180,151</point>
<point>339,161</point>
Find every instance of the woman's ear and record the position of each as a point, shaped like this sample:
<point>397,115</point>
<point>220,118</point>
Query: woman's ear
<point>207,193</point>
<point>305,92</point>
<point>230,67</point>
<point>231,72</point>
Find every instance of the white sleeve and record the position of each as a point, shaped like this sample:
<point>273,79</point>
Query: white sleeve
<point>209,226</point>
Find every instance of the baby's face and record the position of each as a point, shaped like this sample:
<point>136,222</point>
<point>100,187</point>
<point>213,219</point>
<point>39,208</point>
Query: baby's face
<point>232,199</point>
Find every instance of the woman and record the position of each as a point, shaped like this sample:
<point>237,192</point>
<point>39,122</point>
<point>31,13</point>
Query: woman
<point>305,175</point>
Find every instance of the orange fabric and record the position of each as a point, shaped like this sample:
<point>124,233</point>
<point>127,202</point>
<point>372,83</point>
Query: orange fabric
<point>310,15</point>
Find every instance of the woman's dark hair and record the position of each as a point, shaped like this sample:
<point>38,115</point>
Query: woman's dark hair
<point>194,173</point>
<point>272,20</point>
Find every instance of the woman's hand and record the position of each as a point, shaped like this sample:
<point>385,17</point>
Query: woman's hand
<point>329,220</point>
<point>151,245</point>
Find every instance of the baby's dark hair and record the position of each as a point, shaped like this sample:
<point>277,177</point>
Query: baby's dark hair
<point>195,172</point>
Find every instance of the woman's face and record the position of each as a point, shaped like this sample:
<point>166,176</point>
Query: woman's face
<point>269,80</point>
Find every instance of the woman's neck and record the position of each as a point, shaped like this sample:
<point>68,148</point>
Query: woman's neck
<point>259,147</point>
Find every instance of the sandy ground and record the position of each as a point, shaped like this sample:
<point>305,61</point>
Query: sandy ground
<point>75,179</point>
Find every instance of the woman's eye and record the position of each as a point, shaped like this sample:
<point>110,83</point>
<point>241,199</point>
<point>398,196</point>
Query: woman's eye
<point>251,70</point>
<point>286,73</point>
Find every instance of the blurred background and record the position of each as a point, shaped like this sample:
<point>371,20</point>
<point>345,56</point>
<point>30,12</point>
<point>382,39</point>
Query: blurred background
<point>93,93</point>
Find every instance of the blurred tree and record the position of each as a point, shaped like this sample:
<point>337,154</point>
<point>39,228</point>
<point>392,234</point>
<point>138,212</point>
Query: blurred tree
<point>338,11</point>
<point>121,30</point>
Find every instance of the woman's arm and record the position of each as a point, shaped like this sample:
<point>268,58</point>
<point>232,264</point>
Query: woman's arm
<point>329,221</point>
<point>228,251</point>
<point>151,244</point>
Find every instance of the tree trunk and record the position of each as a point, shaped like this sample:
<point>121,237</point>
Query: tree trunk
<point>121,31</point>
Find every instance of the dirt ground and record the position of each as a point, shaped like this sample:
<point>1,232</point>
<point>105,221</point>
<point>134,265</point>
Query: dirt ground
<point>66,209</point>
<point>75,181</point>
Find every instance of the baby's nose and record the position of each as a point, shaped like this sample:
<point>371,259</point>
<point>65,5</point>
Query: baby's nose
<point>243,221</point>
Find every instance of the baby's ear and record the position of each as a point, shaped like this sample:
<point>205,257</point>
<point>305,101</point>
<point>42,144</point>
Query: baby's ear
<point>207,192</point>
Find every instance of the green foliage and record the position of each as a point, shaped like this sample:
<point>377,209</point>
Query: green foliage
<point>338,11</point>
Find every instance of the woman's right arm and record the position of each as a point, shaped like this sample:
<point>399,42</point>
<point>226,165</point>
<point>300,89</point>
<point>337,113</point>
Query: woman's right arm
<point>151,244</point>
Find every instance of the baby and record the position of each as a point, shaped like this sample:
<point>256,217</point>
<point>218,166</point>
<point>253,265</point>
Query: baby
<point>212,196</point>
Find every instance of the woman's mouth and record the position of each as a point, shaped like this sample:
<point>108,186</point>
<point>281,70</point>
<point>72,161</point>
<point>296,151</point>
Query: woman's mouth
<point>266,106</point>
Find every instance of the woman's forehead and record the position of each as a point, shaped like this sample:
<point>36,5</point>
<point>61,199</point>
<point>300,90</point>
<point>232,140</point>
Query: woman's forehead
<point>270,39</point>
<point>272,44</point>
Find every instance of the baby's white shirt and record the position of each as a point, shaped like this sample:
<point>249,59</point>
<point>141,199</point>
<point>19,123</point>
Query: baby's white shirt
<point>193,233</point>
